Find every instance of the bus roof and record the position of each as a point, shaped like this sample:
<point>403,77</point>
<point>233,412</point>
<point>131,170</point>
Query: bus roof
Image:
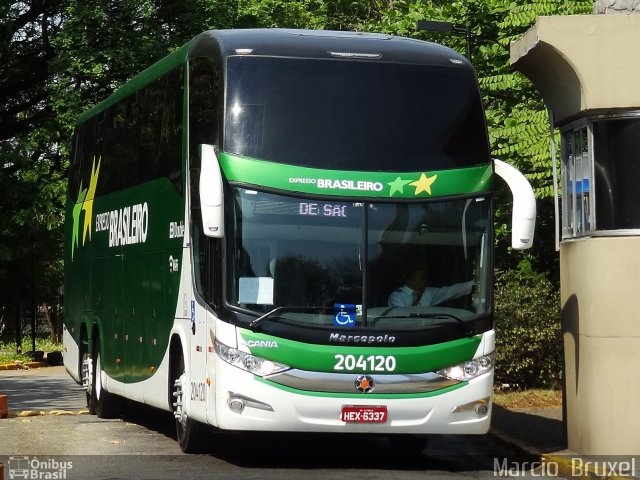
<point>330,44</point>
<point>290,43</point>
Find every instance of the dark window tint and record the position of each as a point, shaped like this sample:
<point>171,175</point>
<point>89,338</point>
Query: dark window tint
<point>204,88</point>
<point>354,115</point>
<point>617,170</point>
<point>204,101</point>
<point>134,141</point>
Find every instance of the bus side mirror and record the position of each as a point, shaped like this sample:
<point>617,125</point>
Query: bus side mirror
<point>211,193</point>
<point>523,217</point>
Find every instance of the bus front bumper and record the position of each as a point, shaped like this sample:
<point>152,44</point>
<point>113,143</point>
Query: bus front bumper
<point>245,402</point>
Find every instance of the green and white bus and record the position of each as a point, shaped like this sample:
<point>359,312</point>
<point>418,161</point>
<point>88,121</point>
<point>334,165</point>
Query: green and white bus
<point>244,221</point>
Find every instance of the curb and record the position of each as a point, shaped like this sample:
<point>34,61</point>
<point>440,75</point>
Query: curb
<point>42,413</point>
<point>6,413</point>
<point>572,465</point>
<point>24,366</point>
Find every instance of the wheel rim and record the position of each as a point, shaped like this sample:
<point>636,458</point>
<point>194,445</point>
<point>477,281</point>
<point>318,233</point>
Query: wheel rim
<point>178,395</point>
<point>98,376</point>
<point>87,373</point>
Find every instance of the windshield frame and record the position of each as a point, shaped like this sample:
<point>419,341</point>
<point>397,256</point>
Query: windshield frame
<point>253,318</point>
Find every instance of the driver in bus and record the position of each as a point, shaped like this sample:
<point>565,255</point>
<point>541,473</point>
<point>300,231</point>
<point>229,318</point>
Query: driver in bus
<point>415,291</point>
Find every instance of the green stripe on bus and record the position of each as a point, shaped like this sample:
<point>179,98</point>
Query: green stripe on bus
<point>324,358</point>
<point>414,185</point>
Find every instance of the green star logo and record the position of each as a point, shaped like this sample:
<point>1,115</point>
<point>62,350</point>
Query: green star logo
<point>84,203</point>
<point>87,205</point>
<point>77,208</point>
<point>397,186</point>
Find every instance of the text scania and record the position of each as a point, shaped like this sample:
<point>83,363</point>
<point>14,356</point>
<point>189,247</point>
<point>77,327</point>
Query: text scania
<point>261,343</point>
<point>350,185</point>
<point>127,225</point>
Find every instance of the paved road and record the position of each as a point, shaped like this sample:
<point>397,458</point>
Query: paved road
<point>142,445</point>
<point>41,389</point>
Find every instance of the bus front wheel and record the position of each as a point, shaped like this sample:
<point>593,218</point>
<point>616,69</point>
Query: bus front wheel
<point>189,432</point>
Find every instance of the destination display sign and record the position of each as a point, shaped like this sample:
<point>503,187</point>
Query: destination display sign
<point>306,208</point>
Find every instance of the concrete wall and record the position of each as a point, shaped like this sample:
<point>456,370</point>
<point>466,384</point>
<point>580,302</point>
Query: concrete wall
<point>600,298</point>
<point>582,63</point>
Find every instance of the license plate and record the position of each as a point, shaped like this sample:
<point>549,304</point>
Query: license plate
<point>363,414</point>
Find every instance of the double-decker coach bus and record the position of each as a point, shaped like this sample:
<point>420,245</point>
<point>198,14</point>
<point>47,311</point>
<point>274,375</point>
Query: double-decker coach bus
<point>289,230</point>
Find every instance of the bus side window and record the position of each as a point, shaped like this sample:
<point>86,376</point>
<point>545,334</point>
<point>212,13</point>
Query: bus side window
<point>74,164</point>
<point>204,90</point>
<point>170,144</point>
<point>204,87</point>
<point>206,262</point>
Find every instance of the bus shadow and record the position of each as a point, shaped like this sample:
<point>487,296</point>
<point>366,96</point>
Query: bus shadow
<point>320,451</point>
<point>450,453</point>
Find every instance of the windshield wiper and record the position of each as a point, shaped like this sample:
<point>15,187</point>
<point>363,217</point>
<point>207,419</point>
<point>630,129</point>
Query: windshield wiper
<point>436,315</point>
<point>277,310</point>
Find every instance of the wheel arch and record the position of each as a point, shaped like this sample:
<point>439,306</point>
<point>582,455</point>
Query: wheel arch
<point>95,335</point>
<point>177,349</point>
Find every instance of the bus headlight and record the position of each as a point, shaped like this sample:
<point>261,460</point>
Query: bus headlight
<point>468,370</point>
<point>247,362</point>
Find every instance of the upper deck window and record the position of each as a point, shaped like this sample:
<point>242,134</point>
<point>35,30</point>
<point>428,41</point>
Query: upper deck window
<point>354,115</point>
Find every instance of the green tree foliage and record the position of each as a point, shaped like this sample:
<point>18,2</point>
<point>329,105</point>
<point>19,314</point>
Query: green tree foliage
<point>528,337</point>
<point>26,29</point>
<point>32,161</point>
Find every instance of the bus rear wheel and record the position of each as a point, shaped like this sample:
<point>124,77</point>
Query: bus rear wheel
<point>103,403</point>
<point>190,433</point>
<point>86,377</point>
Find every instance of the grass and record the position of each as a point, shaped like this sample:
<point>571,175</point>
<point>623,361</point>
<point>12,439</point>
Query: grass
<point>8,350</point>
<point>533,398</point>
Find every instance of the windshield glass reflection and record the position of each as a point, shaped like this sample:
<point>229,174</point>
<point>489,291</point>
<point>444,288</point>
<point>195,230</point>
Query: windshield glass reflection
<point>359,264</point>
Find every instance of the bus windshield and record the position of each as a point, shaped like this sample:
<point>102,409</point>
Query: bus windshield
<point>354,115</point>
<point>369,264</point>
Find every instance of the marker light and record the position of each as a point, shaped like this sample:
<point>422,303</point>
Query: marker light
<point>247,362</point>
<point>469,370</point>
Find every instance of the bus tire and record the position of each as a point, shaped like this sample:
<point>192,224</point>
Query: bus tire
<point>189,433</point>
<point>105,405</point>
